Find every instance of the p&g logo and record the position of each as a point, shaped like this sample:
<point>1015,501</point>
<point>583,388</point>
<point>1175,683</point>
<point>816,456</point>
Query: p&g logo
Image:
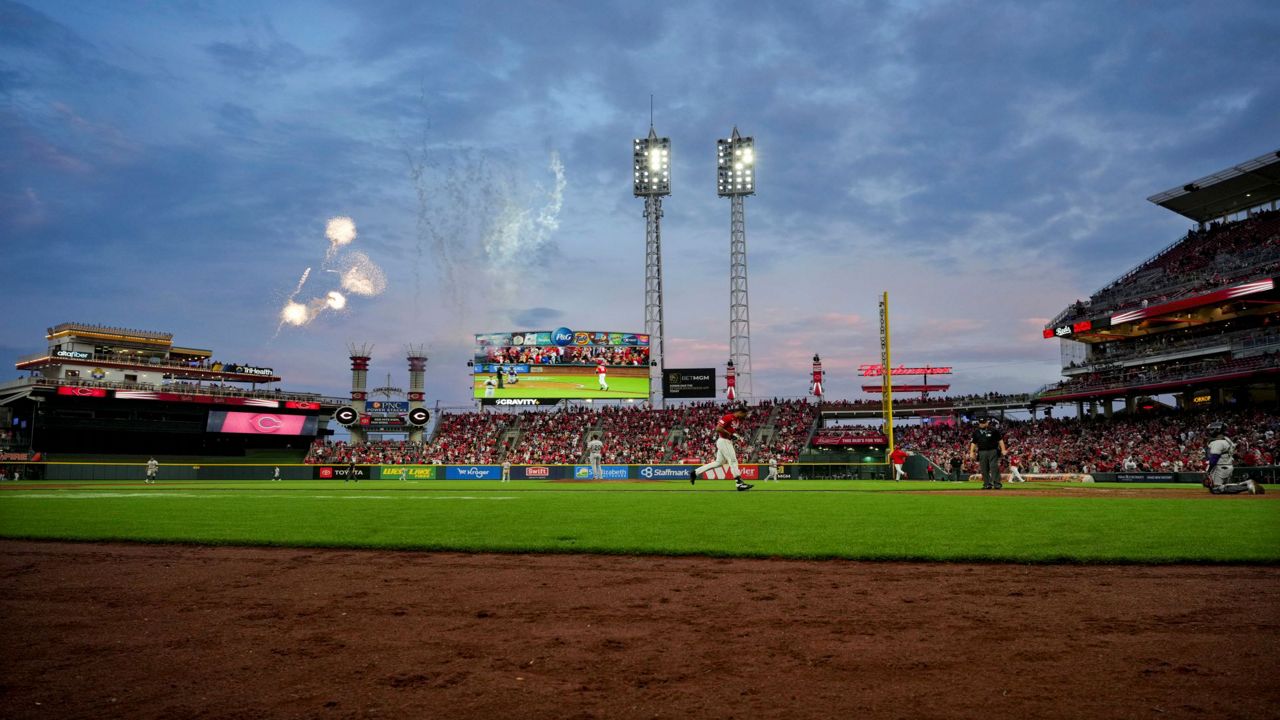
<point>562,336</point>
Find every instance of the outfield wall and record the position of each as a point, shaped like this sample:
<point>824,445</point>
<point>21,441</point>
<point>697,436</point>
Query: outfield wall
<point>73,471</point>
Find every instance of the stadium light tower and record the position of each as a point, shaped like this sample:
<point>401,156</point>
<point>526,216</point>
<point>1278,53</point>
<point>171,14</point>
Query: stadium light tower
<point>736,179</point>
<point>651,179</point>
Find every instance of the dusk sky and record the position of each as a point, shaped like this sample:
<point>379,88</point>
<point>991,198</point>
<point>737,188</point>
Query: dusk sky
<point>172,166</point>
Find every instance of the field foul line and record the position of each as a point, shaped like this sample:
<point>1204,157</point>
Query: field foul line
<point>94,496</point>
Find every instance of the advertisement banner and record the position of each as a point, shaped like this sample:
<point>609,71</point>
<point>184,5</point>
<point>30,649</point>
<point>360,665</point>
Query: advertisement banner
<point>749,472</point>
<point>663,472</point>
<point>387,406</point>
<point>610,472</point>
<point>473,472</point>
<point>850,440</point>
<point>410,472</point>
<point>249,423</point>
<point>520,401</point>
<point>539,472</point>
<point>82,391</point>
<point>341,472</point>
<point>689,383</point>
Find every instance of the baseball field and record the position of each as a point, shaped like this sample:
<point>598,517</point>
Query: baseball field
<point>636,599</point>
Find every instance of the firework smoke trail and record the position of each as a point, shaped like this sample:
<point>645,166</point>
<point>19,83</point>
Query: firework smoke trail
<point>517,239</point>
<point>301,281</point>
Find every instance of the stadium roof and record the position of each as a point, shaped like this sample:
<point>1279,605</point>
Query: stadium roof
<point>1233,190</point>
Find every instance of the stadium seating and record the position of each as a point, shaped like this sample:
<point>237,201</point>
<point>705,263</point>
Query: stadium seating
<point>1169,441</point>
<point>1203,260</point>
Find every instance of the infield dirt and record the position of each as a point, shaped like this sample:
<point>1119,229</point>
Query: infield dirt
<point>156,631</point>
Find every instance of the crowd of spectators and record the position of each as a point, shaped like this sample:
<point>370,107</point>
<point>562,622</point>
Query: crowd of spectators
<point>1172,441</point>
<point>630,434</point>
<point>1225,334</point>
<point>1137,376</point>
<point>557,437</point>
<point>1203,260</point>
<point>384,452</point>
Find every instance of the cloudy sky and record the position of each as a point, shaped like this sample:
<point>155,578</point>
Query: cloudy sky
<point>172,166</point>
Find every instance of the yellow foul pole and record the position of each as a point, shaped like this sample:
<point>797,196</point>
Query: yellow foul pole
<point>886,363</point>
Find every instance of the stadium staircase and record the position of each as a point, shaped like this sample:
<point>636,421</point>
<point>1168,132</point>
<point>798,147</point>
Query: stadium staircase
<point>675,437</point>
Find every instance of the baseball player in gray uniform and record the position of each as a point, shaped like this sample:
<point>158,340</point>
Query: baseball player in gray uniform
<point>1222,463</point>
<point>594,449</point>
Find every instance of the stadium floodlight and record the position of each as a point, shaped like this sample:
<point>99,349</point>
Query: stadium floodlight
<point>735,166</point>
<point>736,179</point>
<point>651,179</point>
<point>651,165</point>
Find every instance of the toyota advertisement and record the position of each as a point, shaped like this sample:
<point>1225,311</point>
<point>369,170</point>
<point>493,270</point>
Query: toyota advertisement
<point>252,423</point>
<point>560,364</point>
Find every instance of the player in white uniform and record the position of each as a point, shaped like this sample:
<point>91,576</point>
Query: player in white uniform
<point>1222,464</point>
<point>404,474</point>
<point>601,372</point>
<point>506,471</point>
<point>773,470</point>
<point>275,475</point>
<point>153,468</point>
<point>593,454</point>
<point>489,385</point>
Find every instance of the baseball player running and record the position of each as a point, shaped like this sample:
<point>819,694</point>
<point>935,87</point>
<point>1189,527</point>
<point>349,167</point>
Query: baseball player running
<point>1221,453</point>
<point>1014,474</point>
<point>773,471</point>
<point>594,449</point>
<point>726,456</point>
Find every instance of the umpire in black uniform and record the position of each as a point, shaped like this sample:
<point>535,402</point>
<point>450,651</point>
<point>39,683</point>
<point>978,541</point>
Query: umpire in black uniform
<point>988,447</point>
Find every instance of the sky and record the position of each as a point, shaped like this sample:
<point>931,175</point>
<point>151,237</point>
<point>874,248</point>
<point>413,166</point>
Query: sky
<point>174,166</point>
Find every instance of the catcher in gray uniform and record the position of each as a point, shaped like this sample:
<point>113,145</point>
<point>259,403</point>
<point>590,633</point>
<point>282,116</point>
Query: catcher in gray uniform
<point>1221,453</point>
<point>593,454</point>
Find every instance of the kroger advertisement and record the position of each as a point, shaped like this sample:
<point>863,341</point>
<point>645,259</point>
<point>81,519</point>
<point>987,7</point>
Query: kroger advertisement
<point>561,364</point>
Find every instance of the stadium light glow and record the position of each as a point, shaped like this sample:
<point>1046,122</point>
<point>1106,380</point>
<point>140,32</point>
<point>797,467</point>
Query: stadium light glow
<point>651,166</point>
<point>735,161</point>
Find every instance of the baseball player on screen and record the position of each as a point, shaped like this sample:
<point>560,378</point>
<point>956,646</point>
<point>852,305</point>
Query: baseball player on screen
<point>726,456</point>
<point>601,372</point>
<point>773,471</point>
<point>153,468</point>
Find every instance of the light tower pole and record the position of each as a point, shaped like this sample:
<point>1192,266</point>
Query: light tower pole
<point>417,358</point>
<point>651,179</point>
<point>360,356</point>
<point>735,179</point>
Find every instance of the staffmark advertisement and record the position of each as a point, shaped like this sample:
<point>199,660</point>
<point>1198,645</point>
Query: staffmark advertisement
<point>609,472</point>
<point>664,472</point>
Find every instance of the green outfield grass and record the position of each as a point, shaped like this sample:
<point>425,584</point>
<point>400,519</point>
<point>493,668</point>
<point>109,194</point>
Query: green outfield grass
<point>569,386</point>
<point>797,519</point>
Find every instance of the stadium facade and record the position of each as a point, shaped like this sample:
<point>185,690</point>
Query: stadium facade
<point>100,389</point>
<point>1199,320</point>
